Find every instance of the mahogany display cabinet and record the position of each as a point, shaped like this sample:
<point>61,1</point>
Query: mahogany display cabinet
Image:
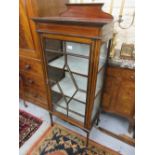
<point>75,48</point>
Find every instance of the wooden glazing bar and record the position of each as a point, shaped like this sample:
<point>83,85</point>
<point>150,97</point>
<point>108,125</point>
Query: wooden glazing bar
<point>72,77</point>
<point>72,97</point>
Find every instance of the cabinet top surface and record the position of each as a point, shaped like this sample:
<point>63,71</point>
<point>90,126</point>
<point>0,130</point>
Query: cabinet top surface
<point>85,14</point>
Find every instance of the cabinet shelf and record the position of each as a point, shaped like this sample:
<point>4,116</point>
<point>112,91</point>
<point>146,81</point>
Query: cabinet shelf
<point>50,57</point>
<point>55,74</point>
<point>68,87</point>
<point>77,65</point>
<point>74,64</point>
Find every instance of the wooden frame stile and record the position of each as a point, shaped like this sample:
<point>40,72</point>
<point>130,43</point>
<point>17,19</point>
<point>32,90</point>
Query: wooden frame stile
<point>93,68</point>
<point>46,79</point>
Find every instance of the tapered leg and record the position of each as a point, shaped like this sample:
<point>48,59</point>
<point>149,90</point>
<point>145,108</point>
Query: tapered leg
<point>98,120</point>
<point>51,118</point>
<point>87,140</point>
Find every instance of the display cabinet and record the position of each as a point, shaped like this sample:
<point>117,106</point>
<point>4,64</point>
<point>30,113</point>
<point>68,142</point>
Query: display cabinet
<point>75,48</point>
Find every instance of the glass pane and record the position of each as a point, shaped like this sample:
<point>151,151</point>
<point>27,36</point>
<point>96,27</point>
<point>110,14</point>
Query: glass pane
<point>96,106</point>
<point>66,84</point>
<point>71,48</point>
<point>77,110</point>
<point>59,103</point>
<point>100,79</point>
<point>51,44</point>
<point>101,67</point>
<point>67,64</point>
<point>59,54</point>
<point>69,87</point>
<point>55,74</point>
<point>74,64</point>
<point>81,81</point>
<point>77,48</point>
<point>103,55</point>
<point>99,84</point>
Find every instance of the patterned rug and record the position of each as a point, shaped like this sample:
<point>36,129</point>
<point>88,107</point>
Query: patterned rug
<point>58,140</point>
<point>28,124</point>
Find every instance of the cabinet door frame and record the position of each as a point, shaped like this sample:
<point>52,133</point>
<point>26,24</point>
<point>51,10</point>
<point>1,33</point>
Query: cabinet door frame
<point>89,41</point>
<point>89,95</point>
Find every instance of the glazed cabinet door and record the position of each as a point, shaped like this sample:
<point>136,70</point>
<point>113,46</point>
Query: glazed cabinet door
<point>26,40</point>
<point>67,64</point>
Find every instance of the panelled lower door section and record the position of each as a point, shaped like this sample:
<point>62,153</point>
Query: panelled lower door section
<point>67,65</point>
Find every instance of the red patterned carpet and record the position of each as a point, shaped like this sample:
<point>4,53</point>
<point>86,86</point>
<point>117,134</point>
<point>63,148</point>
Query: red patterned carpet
<point>28,124</point>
